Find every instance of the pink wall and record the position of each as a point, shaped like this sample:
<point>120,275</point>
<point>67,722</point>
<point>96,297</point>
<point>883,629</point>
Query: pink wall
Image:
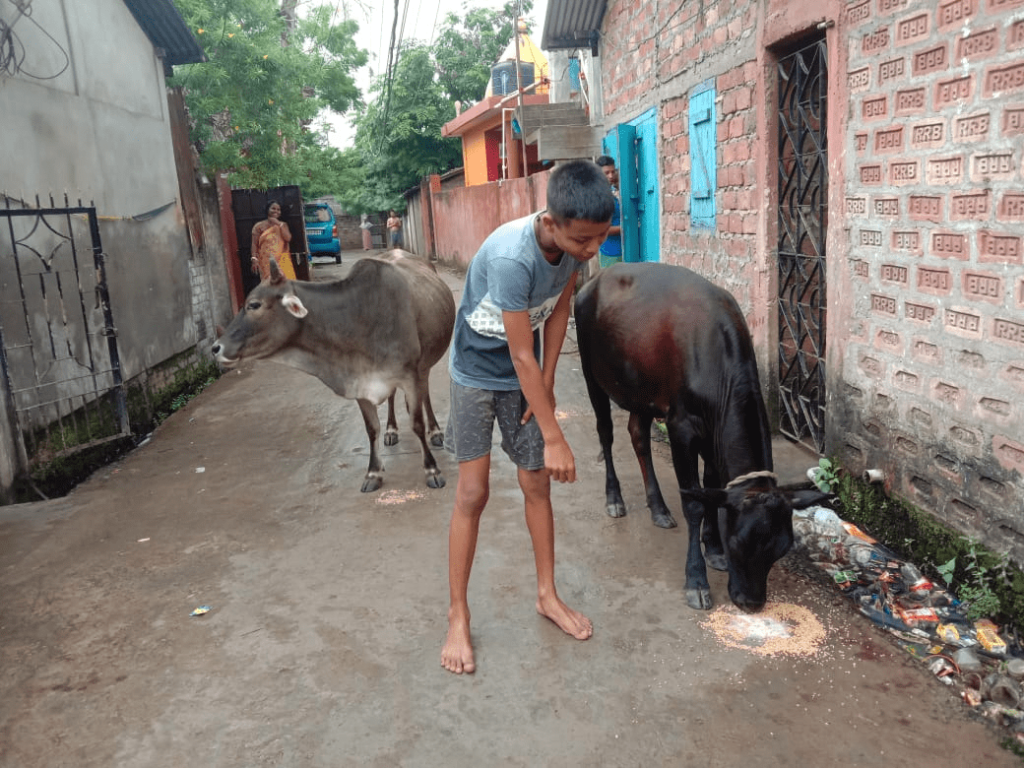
<point>463,218</point>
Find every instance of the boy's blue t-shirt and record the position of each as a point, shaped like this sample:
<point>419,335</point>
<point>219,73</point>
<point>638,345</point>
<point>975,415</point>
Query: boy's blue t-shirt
<point>508,273</point>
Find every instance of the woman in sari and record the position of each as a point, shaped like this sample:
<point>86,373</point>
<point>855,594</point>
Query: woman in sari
<point>366,225</point>
<point>270,239</point>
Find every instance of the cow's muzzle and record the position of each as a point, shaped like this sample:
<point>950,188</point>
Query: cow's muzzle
<point>220,357</point>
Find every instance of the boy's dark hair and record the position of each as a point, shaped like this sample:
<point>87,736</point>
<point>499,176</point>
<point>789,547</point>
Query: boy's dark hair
<point>579,190</point>
<point>604,160</point>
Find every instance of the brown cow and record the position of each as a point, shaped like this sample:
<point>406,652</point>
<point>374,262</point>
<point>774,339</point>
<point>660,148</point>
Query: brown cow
<point>384,326</point>
<point>662,341</point>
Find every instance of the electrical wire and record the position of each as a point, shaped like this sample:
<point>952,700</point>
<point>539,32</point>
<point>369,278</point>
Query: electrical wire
<point>395,49</point>
<point>12,50</point>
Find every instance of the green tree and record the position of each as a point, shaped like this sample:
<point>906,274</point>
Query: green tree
<point>399,134</point>
<point>468,46</point>
<point>269,74</point>
<point>331,171</point>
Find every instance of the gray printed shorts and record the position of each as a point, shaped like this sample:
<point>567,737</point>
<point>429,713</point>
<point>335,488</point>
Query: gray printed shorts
<point>470,430</point>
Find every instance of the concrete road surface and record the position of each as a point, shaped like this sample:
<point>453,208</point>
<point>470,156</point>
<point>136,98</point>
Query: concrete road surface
<point>327,613</point>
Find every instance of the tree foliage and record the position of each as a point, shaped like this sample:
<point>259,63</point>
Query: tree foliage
<point>398,133</point>
<point>253,103</point>
<point>467,47</point>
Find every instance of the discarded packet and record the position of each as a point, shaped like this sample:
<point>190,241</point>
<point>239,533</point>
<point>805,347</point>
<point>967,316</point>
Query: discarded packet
<point>853,530</point>
<point>989,638</point>
<point>915,616</point>
<point>202,610</point>
<point>948,633</point>
<point>943,667</point>
<point>845,578</point>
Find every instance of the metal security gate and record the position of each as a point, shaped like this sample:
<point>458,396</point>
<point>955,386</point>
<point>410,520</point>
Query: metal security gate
<point>58,346</point>
<point>803,220</point>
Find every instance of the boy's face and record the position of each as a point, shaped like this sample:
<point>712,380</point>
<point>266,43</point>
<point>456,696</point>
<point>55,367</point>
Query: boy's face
<point>579,238</point>
<point>612,174</point>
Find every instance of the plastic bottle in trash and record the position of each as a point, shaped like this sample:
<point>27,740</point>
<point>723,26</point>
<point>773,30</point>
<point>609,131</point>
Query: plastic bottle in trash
<point>865,555</point>
<point>916,583</point>
<point>827,522</point>
<point>967,659</point>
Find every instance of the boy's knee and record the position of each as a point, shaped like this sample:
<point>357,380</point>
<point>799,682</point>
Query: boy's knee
<point>471,499</point>
<point>535,483</point>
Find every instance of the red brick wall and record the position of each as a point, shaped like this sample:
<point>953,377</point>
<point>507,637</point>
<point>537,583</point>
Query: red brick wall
<point>653,54</point>
<point>934,368</point>
<point>925,255</point>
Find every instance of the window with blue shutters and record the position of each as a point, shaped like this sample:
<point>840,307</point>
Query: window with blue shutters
<point>703,157</point>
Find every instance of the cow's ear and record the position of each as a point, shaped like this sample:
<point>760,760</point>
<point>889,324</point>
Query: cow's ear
<point>294,305</point>
<point>804,499</point>
<point>276,275</point>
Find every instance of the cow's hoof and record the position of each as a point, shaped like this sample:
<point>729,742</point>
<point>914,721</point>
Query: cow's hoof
<point>699,599</point>
<point>664,521</point>
<point>390,438</point>
<point>717,561</point>
<point>437,439</point>
<point>372,483</point>
<point>616,509</point>
<point>435,479</point>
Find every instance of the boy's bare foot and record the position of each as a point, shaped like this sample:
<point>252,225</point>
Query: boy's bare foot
<point>457,654</point>
<point>569,621</point>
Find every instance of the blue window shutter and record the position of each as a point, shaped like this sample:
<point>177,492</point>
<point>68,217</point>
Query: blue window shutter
<point>703,159</point>
<point>629,193</point>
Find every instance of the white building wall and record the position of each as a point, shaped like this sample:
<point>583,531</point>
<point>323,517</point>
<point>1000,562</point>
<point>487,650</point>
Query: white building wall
<point>85,114</point>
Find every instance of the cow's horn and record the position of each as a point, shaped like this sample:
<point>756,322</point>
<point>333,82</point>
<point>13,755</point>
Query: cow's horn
<point>276,275</point>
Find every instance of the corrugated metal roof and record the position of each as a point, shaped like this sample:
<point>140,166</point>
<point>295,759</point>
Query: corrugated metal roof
<point>167,30</point>
<point>572,24</point>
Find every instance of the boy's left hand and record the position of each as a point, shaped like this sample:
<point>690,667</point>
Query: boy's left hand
<point>559,461</point>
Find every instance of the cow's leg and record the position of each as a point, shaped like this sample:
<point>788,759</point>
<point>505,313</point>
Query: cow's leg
<point>601,404</point>
<point>419,387</point>
<point>697,590</point>
<point>391,431</point>
<point>640,434</point>
<point>375,471</point>
<point>714,551</point>
<point>434,432</point>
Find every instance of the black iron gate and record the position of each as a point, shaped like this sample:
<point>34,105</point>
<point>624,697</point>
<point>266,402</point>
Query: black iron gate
<point>58,345</point>
<point>803,222</point>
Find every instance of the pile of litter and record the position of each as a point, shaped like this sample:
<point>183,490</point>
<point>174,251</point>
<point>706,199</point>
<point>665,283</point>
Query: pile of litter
<point>928,621</point>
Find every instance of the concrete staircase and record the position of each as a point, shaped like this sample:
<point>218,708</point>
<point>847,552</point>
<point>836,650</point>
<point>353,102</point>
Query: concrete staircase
<point>561,131</point>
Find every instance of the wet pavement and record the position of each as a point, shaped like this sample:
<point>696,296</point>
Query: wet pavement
<point>327,609</point>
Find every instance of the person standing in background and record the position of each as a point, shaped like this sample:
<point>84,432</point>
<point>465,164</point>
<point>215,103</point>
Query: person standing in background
<point>611,249</point>
<point>270,239</point>
<point>395,230</point>
<point>366,225</point>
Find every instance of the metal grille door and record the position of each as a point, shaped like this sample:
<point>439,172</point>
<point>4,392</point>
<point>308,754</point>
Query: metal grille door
<point>803,221</point>
<point>58,346</point>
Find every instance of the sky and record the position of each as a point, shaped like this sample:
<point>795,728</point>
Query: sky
<point>422,18</point>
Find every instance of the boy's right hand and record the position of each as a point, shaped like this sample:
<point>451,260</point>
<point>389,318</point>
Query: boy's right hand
<point>559,461</point>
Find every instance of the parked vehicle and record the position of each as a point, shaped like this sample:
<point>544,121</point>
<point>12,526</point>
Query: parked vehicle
<point>321,231</point>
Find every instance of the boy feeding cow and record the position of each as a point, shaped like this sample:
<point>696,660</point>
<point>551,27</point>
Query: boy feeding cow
<point>658,340</point>
<point>518,289</point>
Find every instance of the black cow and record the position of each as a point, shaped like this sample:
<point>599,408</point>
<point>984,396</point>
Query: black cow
<point>384,326</point>
<point>661,341</point>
